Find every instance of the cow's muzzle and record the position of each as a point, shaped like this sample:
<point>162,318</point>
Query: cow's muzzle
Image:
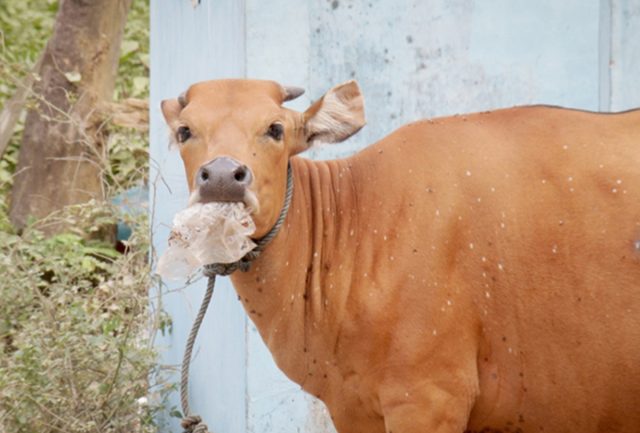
<point>223,179</point>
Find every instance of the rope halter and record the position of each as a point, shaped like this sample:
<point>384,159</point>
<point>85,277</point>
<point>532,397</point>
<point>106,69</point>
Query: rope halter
<point>193,423</point>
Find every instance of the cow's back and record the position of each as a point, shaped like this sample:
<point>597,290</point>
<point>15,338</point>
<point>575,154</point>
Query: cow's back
<point>527,222</point>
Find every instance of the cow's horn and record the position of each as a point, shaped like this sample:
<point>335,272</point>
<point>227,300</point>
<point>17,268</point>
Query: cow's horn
<point>291,92</point>
<point>182,99</point>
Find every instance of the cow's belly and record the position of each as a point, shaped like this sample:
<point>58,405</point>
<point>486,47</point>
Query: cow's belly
<point>562,358</point>
<point>557,407</point>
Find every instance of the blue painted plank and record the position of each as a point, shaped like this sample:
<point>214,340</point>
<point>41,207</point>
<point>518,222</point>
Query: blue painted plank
<point>625,54</point>
<point>192,44</point>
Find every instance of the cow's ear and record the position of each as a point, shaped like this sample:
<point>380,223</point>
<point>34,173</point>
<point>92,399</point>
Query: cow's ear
<point>171,109</point>
<point>336,116</point>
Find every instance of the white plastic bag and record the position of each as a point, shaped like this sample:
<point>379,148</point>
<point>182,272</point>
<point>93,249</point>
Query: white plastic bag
<point>207,233</point>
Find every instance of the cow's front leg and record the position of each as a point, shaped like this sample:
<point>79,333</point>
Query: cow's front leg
<point>429,406</point>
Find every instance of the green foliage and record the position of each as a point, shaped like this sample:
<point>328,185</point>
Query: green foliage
<point>133,71</point>
<point>129,150</point>
<point>76,330</point>
<point>76,326</point>
<point>25,27</point>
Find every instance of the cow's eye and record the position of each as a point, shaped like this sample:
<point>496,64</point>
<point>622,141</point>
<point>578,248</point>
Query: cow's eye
<point>275,131</point>
<point>183,134</point>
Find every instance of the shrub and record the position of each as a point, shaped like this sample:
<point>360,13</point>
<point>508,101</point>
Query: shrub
<point>77,331</point>
<point>76,321</point>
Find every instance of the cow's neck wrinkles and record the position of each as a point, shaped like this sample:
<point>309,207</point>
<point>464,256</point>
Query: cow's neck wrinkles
<point>291,291</point>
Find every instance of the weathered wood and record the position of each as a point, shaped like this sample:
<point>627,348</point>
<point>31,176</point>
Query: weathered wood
<point>62,148</point>
<point>129,113</point>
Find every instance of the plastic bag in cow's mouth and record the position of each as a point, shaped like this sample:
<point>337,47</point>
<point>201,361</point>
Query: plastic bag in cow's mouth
<point>207,233</point>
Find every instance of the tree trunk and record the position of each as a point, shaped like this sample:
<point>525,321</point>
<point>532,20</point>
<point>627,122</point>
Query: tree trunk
<point>63,150</point>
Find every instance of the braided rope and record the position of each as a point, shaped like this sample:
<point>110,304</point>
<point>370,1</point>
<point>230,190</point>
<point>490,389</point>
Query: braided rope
<point>193,423</point>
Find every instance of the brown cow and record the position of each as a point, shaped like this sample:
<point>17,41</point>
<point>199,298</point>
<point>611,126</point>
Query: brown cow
<point>476,273</point>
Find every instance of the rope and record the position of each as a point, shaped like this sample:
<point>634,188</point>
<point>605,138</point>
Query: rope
<point>193,423</point>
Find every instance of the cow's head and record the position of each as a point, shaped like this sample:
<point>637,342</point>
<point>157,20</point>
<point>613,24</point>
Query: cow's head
<point>235,138</point>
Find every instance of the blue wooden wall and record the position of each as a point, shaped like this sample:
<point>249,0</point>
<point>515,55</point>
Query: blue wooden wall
<point>413,59</point>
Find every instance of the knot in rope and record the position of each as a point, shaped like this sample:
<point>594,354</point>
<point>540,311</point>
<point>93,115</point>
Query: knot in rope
<point>224,269</point>
<point>193,423</point>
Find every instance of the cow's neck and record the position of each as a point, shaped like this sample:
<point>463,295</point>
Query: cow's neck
<point>288,290</point>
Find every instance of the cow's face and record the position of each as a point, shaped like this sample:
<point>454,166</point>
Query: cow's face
<point>235,138</point>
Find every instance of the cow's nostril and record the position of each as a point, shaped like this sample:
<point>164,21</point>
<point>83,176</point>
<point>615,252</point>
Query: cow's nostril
<point>240,174</point>
<point>222,180</point>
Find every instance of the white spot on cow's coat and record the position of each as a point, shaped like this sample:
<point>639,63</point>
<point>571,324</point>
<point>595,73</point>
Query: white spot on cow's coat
<point>544,181</point>
<point>483,258</point>
<point>471,245</point>
<point>565,147</point>
<point>468,173</point>
<point>554,249</point>
<point>500,266</point>
<point>636,244</point>
<point>619,181</point>
<point>614,190</point>
<point>435,332</point>
<point>570,178</point>
<point>437,212</point>
<point>487,295</point>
